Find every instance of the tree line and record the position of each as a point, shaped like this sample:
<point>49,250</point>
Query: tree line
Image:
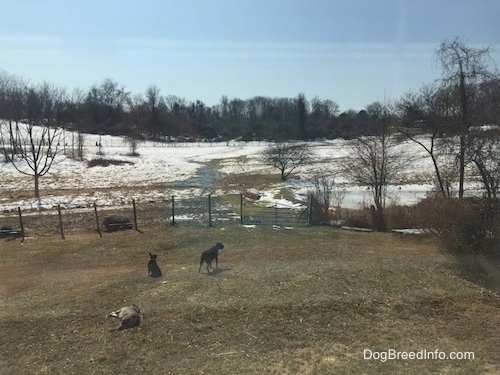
<point>108,108</point>
<point>442,117</point>
<point>472,92</point>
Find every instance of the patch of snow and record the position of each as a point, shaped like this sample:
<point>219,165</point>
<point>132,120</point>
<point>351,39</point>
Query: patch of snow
<point>411,231</point>
<point>163,170</point>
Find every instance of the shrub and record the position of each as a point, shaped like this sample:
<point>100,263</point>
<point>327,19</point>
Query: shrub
<point>325,199</point>
<point>464,226</point>
<point>361,218</point>
<point>132,142</point>
<point>397,216</point>
<point>468,229</point>
<point>402,217</point>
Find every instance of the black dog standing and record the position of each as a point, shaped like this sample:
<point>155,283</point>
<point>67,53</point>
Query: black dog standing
<point>153,269</point>
<point>209,255</point>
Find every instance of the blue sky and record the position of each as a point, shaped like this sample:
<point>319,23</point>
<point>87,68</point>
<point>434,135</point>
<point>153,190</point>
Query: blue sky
<point>353,52</point>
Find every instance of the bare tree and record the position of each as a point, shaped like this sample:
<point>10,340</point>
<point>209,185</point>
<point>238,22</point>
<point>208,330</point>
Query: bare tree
<point>105,107</point>
<point>11,107</point>
<point>440,117</point>
<point>80,145</point>
<point>132,143</point>
<point>425,112</point>
<point>302,114</point>
<point>464,70</point>
<point>286,156</point>
<point>137,113</point>
<point>153,98</point>
<point>36,141</point>
<point>485,154</point>
<point>325,195</point>
<point>375,162</point>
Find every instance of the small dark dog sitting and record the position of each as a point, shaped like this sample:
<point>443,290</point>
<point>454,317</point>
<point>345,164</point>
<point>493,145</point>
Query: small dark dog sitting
<point>130,316</point>
<point>153,269</point>
<point>209,255</point>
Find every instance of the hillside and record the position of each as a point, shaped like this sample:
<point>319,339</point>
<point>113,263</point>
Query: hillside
<point>299,301</point>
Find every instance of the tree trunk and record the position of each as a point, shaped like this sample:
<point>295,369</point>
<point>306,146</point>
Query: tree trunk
<point>461,167</point>
<point>378,217</point>
<point>463,130</point>
<point>37,192</point>
<point>488,181</point>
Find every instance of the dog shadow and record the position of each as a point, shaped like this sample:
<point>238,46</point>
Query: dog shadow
<point>217,271</point>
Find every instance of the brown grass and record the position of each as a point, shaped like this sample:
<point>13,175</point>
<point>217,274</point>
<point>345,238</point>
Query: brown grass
<point>242,182</point>
<point>302,301</point>
<point>107,162</point>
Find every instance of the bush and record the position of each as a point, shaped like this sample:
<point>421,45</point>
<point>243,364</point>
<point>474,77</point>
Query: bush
<point>464,226</point>
<point>359,218</point>
<point>468,229</point>
<point>397,217</point>
<point>132,142</point>
<point>402,217</point>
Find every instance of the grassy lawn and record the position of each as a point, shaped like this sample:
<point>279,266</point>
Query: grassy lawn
<point>301,301</point>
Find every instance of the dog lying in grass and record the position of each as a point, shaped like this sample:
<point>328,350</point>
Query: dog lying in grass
<point>209,255</point>
<point>130,316</point>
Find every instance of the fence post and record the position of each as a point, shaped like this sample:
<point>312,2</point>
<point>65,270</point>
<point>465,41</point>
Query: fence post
<point>21,223</point>
<point>172,223</point>
<point>97,220</point>
<point>309,216</point>
<point>209,210</point>
<point>60,221</point>
<point>135,214</point>
<point>276,214</point>
<point>241,209</point>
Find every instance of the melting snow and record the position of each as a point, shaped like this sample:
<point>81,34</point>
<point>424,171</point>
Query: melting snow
<point>163,170</point>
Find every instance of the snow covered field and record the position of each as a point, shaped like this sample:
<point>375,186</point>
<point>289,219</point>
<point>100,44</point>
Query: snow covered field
<point>184,170</point>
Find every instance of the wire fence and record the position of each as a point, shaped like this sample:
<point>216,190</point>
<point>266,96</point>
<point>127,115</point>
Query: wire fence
<point>90,141</point>
<point>275,215</point>
<point>205,211</point>
<point>234,209</point>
